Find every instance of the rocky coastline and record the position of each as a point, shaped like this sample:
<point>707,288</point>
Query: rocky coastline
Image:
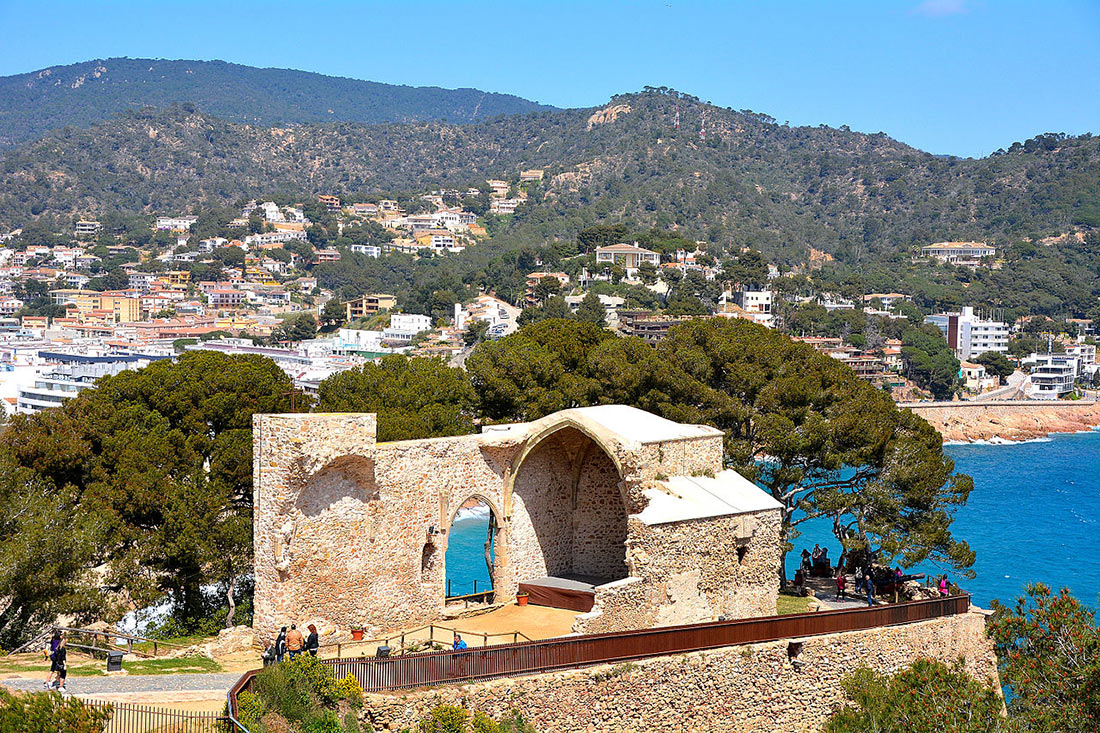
<point>969,423</point>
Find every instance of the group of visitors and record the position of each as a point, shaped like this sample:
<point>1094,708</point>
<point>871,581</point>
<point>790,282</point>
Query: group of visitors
<point>816,564</point>
<point>292,644</point>
<point>57,655</point>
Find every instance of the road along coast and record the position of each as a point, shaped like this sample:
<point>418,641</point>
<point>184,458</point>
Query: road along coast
<point>968,422</point>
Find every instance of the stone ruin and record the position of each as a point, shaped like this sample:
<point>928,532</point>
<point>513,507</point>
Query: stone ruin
<point>351,533</point>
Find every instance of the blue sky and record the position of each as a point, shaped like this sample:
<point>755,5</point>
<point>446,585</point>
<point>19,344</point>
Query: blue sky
<point>949,76</point>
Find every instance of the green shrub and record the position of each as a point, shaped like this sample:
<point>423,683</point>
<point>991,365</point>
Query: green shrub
<point>305,694</point>
<point>249,710</point>
<point>48,711</point>
<point>928,696</point>
<point>454,719</point>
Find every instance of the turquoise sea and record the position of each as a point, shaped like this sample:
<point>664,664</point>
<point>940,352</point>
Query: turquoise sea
<point>1034,515</point>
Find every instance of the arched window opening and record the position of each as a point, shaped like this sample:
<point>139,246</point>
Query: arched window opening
<point>471,551</point>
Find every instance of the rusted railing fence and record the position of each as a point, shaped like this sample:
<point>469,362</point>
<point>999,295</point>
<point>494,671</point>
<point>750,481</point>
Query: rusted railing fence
<point>506,660</point>
<point>131,718</point>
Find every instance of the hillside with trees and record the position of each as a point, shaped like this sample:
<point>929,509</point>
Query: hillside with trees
<point>753,182</point>
<point>93,91</point>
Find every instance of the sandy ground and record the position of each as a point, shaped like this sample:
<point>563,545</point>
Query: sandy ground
<point>494,627</point>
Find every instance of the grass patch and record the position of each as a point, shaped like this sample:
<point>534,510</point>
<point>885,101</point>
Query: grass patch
<point>184,665</point>
<point>790,603</point>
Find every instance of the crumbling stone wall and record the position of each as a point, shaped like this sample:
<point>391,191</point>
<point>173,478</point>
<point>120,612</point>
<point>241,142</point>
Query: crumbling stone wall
<point>693,571</point>
<point>754,687</point>
<point>349,533</point>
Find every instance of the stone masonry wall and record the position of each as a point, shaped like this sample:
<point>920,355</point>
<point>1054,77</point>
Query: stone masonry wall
<point>341,525</point>
<point>689,572</point>
<point>348,533</point>
<point>754,687</point>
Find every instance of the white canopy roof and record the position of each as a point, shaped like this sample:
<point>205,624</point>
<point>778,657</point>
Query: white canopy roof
<point>697,497</point>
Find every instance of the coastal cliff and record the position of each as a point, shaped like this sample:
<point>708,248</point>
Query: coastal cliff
<point>970,421</point>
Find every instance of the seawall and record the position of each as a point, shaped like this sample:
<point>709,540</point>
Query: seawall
<point>752,687</point>
<point>1007,419</point>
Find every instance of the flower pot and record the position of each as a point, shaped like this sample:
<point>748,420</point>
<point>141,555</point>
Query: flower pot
<point>521,599</point>
<point>357,634</point>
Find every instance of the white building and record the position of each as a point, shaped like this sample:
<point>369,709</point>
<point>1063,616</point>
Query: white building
<point>175,223</point>
<point>970,336</point>
<point>271,211</point>
<point>958,253</point>
<point>86,228</point>
<point>404,326</point>
<point>256,240</point>
<point>1052,375</point>
<point>1086,358</point>
<point>369,250</point>
<point>627,256</point>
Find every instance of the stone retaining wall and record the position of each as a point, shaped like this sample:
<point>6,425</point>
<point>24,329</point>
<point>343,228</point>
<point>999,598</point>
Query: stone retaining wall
<point>755,687</point>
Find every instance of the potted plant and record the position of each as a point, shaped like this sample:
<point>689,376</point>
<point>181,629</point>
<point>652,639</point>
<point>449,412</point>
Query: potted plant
<point>521,598</point>
<point>357,634</point>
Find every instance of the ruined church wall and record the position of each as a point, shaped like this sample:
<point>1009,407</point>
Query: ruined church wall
<point>341,525</point>
<point>754,687</point>
<point>689,572</point>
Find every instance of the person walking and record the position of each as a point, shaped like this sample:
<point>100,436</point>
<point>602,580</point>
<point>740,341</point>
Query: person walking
<point>280,645</point>
<point>869,583</point>
<point>841,586</point>
<point>294,642</point>
<point>943,585</point>
<point>58,664</point>
<point>312,643</point>
<point>49,654</point>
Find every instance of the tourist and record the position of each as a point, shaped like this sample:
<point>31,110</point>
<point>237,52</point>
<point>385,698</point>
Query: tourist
<point>58,665</point>
<point>311,641</point>
<point>859,578</point>
<point>943,585</point>
<point>824,566</point>
<point>869,584</point>
<point>841,586</point>
<point>460,643</point>
<point>294,642</point>
<point>55,642</point>
<point>805,560</point>
<point>799,582</point>
<point>816,554</point>
<point>280,645</point>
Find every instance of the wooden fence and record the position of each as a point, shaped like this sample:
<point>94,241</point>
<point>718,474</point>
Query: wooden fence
<point>532,657</point>
<point>131,718</point>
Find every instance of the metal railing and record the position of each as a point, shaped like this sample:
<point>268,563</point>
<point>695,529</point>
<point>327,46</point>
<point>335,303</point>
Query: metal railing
<point>413,639</point>
<point>131,718</point>
<point>532,657</point>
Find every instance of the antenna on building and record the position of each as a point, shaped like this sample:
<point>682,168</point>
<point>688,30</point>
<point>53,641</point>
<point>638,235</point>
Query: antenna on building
<point>703,126</point>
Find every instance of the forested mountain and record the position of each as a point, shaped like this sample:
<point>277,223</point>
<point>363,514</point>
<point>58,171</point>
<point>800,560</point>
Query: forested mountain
<point>82,94</point>
<point>752,182</point>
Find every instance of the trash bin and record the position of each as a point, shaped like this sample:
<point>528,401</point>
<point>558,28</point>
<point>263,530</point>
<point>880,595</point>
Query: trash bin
<point>114,661</point>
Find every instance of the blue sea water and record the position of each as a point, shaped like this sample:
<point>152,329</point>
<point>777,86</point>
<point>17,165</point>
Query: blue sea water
<point>466,551</point>
<point>1034,515</point>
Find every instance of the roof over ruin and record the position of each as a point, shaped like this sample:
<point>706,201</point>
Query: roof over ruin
<point>681,498</point>
<point>627,424</point>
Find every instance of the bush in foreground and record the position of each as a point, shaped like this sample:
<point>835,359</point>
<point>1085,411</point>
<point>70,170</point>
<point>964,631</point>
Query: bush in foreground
<point>304,694</point>
<point>48,711</point>
<point>928,696</point>
<point>454,719</point>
